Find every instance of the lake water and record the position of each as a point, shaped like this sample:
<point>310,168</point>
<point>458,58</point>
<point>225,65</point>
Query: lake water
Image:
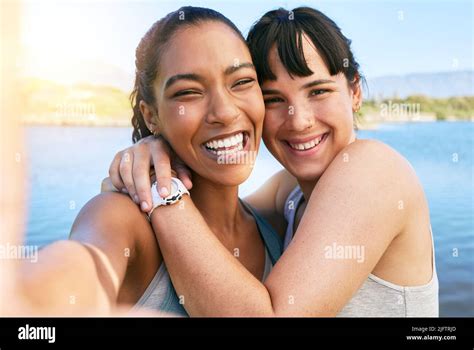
<point>67,164</point>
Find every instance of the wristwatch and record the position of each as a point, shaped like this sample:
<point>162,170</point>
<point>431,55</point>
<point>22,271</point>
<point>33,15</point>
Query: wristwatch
<point>178,190</point>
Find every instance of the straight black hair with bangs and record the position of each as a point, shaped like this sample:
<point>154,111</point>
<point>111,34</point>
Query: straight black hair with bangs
<point>285,29</point>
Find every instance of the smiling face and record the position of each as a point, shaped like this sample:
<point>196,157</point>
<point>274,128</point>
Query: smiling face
<point>308,120</point>
<point>209,103</point>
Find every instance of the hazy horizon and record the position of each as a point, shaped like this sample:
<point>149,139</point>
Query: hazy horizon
<point>95,41</point>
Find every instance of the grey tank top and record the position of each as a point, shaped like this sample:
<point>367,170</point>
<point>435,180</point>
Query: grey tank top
<point>377,297</point>
<point>160,294</point>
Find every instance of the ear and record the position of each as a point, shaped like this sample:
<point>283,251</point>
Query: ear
<point>150,116</point>
<point>356,92</point>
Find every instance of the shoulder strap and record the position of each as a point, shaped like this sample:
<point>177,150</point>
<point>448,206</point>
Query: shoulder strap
<point>292,202</point>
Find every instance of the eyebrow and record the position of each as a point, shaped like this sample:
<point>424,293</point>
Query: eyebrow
<point>305,86</point>
<point>316,82</point>
<point>232,69</point>
<point>195,77</point>
<point>186,76</point>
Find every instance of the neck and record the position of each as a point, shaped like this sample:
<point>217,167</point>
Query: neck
<point>307,187</point>
<point>218,204</point>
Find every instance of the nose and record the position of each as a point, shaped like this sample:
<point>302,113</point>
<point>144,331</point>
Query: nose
<point>300,118</point>
<point>222,109</point>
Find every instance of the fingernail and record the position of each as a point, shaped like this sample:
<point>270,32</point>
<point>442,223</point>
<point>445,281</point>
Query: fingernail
<point>136,199</point>
<point>164,192</point>
<point>144,206</point>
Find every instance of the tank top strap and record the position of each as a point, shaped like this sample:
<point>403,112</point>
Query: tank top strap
<point>292,202</point>
<point>291,206</point>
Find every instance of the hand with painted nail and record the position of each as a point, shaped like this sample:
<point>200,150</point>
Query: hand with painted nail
<point>131,170</point>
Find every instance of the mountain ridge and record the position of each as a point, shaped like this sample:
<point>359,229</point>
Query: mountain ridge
<point>436,84</point>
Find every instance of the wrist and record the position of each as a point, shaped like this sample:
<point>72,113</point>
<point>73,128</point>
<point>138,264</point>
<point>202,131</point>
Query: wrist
<point>178,191</point>
<point>168,213</point>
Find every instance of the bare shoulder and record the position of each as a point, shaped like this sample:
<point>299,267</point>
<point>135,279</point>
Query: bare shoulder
<point>122,242</point>
<point>391,189</point>
<point>106,199</point>
<point>375,180</point>
<point>109,207</point>
<point>369,150</point>
<point>110,219</point>
<point>378,162</point>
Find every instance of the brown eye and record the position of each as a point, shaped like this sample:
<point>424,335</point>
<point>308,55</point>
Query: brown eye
<point>185,93</point>
<point>318,92</point>
<point>243,82</point>
<point>273,100</point>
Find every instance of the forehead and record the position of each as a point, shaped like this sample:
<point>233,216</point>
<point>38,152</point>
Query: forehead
<point>210,46</point>
<point>312,57</point>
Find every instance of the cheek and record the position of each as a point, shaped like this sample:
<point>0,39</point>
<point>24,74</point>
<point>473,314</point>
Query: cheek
<point>337,114</point>
<point>180,122</point>
<point>270,128</point>
<point>343,127</point>
<point>255,109</point>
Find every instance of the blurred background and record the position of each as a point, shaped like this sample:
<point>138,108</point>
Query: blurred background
<point>77,70</point>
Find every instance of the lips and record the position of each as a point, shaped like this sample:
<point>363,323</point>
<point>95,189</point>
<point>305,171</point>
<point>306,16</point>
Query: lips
<point>308,146</point>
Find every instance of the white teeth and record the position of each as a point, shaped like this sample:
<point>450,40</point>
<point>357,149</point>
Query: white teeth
<point>219,146</point>
<point>306,145</point>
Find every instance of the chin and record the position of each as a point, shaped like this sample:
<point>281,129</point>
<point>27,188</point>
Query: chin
<point>227,175</point>
<point>306,172</point>
<point>231,176</point>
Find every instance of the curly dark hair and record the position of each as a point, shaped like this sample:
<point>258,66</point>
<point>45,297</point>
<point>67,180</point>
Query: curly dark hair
<point>150,49</point>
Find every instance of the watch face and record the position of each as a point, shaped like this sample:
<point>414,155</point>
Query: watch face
<point>174,188</point>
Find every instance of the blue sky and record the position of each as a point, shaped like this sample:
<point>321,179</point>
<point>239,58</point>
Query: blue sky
<point>389,37</point>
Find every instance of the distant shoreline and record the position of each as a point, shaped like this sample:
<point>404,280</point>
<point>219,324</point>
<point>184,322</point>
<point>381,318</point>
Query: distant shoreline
<point>82,122</point>
<point>371,122</point>
<point>88,105</point>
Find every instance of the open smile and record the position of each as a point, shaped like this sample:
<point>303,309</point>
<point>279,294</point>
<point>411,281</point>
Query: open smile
<point>307,146</point>
<point>227,145</point>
